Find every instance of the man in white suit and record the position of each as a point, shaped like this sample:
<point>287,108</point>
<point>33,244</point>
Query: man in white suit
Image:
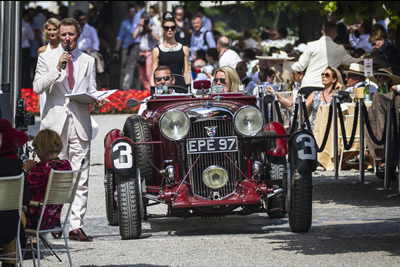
<point>320,54</point>
<point>58,73</point>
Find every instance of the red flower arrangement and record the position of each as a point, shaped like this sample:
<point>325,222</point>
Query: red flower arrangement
<point>117,101</point>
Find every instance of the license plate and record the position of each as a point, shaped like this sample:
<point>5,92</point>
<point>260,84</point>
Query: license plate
<point>212,145</point>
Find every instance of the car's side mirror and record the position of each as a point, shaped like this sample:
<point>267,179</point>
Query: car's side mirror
<point>131,103</point>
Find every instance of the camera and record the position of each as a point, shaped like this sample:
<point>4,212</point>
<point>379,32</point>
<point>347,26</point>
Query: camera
<point>146,21</point>
<point>23,118</point>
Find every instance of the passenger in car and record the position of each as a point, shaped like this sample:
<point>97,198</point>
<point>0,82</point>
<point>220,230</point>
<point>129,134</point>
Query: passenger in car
<point>226,80</point>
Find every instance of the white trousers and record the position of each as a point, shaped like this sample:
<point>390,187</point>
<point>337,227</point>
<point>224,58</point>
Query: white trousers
<point>76,150</point>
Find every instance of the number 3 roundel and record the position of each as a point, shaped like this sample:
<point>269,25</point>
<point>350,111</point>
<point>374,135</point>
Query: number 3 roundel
<point>122,157</point>
<point>306,150</point>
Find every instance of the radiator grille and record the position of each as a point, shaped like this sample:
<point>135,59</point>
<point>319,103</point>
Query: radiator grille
<point>224,128</point>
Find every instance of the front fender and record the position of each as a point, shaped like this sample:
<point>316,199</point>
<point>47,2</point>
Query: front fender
<point>122,158</point>
<point>110,137</point>
<point>281,149</point>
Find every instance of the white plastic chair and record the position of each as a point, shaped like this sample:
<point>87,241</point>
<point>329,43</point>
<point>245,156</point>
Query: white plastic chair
<point>61,189</point>
<point>11,194</point>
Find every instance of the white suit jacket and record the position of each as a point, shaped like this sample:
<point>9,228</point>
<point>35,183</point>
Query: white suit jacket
<point>54,84</point>
<point>317,56</point>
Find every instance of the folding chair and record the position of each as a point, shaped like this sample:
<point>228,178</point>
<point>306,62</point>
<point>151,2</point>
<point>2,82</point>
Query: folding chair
<point>61,189</point>
<point>11,194</point>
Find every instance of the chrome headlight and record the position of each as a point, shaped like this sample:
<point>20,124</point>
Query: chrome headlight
<point>215,177</point>
<point>248,121</point>
<point>174,124</point>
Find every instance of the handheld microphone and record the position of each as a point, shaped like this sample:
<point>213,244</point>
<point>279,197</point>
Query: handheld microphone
<point>67,48</point>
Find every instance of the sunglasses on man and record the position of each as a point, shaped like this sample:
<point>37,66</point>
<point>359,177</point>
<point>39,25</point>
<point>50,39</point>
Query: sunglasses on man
<point>159,79</point>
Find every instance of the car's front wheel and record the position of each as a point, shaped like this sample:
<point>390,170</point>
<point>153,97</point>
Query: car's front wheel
<point>129,199</point>
<point>300,213</point>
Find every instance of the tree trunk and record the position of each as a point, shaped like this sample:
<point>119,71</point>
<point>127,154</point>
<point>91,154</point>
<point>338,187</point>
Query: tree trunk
<point>310,25</point>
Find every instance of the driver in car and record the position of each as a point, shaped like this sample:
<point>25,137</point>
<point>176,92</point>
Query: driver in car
<point>163,81</point>
<point>163,78</point>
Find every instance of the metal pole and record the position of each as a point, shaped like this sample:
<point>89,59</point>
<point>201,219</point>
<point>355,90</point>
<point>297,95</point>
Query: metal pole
<point>16,74</point>
<point>362,154</point>
<point>2,34</point>
<point>300,103</point>
<point>7,43</point>
<point>335,137</point>
<point>387,144</point>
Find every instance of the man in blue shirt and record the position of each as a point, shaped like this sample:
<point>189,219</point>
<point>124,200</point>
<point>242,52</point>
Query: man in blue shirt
<point>207,24</point>
<point>202,39</point>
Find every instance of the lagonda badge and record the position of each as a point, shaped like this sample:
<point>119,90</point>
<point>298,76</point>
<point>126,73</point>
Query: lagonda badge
<point>211,130</point>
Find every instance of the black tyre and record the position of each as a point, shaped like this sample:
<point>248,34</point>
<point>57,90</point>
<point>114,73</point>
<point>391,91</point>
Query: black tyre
<point>111,205</point>
<point>136,128</point>
<point>300,214</point>
<point>130,221</point>
<point>277,204</point>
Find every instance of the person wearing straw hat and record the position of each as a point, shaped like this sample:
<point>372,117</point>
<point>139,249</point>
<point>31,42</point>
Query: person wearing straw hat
<point>356,78</point>
<point>278,62</point>
<point>10,140</point>
<point>376,117</point>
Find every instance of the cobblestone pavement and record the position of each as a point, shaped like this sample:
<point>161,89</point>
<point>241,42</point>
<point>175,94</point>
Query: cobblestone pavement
<point>353,225</point>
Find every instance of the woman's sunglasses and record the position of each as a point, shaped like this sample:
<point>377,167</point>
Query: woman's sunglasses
<point>221,80</point>
<point>327,75</point>
<point>159,79</point>
<point>172,28</point>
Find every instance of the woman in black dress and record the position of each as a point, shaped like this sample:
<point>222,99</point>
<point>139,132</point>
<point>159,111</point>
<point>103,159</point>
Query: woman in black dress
<point>172,54</point>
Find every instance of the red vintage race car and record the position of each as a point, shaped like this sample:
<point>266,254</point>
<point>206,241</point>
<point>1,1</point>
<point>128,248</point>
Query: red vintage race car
<point>209,155</point>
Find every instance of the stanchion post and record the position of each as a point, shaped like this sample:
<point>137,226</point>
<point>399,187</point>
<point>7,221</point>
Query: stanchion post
<point>300,103</point>
<point>387,144</point>
<point>273,109</point>
<point>335,137</point>
<point>362,154</point>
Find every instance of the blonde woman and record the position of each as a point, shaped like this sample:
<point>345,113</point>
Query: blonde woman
<point>227,78</point>
<point>51,37</point>
<point>48,145</point>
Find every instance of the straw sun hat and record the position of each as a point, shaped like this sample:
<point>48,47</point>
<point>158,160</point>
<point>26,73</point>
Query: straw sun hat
<point>276,56</point>
<point>355,68</point>
<point>388,73</point>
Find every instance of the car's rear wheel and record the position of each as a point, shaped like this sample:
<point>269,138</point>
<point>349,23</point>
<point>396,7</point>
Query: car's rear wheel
<point>129,199</point>
<point>277,204</point>
<point>111,205</point>
<point>137,129</point>
<point>300,213</point>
